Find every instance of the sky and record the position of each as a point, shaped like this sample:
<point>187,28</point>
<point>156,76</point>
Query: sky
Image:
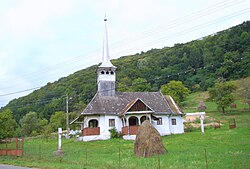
<point>44,40</point>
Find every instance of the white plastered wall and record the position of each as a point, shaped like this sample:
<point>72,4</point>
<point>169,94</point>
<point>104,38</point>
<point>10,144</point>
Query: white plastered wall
<point>178,128</point>
<point>164,128</point>
<point>103,123</point>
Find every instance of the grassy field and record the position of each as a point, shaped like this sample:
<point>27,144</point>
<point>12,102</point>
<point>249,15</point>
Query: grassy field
<point>226,148</point>
<point>192,102</point>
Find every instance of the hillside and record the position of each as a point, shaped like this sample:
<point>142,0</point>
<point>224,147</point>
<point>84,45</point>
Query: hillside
<point>197,64</point>
<point>241,94</point>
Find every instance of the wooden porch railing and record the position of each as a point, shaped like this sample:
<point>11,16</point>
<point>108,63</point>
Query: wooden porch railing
<point>130,130</point>
<point>91,131</point>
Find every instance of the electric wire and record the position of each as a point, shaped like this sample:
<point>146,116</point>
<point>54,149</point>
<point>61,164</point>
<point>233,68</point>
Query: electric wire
<point>180,33</point>
<point>214,66</point>
<point>214,8</point>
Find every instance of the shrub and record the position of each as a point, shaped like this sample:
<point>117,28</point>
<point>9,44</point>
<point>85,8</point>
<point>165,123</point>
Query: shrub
<point>114,133</point>
<point>189,127</point>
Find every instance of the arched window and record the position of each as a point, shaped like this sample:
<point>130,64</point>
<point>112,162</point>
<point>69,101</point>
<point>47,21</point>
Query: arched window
<point>102,72</point>
<point>107,72</point>
<point>143,118</point>
<point>111,72</point>
<point>133,121</point>
<point>93,123</point>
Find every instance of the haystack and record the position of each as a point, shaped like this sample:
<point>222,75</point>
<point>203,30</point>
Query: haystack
<point>148,141</point>
<point>202,106</point>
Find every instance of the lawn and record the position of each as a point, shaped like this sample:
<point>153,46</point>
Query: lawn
<point>226,148</point>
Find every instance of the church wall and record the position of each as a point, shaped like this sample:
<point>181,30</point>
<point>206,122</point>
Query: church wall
<point>106,77</point>
<point>104,133</point>
<point>164,128</point>
<point>178,128</point>
<point>118,122</point>
<point>106,88</point>
<point>104,125</point>
<point>88,118</point>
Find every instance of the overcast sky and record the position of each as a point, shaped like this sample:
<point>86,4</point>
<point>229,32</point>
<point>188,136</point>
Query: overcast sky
<point>43,40</point>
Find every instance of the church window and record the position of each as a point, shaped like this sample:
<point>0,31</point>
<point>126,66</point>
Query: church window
<point>111,122</point>
<point>107,72</point>
<point>111,72</point>
<point>102,72</point>
<point>173,121</point>
<point>159,121</point>
<point>93,123</point>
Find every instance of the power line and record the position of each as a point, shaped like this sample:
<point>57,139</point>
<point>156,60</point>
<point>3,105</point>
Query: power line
<point>165,38</point>
<point>21,91</point>
<point>226,17</point>
<point>241,12</point>
<point>214,66</point>
<point>188,18</point>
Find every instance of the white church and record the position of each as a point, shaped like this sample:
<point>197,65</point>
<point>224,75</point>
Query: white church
<point>125,110</point>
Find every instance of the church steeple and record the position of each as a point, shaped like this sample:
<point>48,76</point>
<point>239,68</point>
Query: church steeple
<point>105,53</point>
<point>106,71</point>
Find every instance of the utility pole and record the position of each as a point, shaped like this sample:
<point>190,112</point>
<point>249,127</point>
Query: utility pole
<point>67,116</point>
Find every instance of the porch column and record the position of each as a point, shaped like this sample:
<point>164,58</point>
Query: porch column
<point>150,119</point>
<point>127,122</point>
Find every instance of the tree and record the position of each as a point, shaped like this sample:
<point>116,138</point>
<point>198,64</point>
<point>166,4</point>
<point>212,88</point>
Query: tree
<point>73,116</point>
<point>29,124</point>
<point>58,120</point>
<point>140,85</point>
<point>175,89</point>
<point>47,130</point>
<point>8,125</point>
<point>221,93</point>
<point>42,123</point>
<point>244,90</point>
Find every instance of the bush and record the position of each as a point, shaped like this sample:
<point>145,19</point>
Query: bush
<point>188,127</point>
<point>114,133</point>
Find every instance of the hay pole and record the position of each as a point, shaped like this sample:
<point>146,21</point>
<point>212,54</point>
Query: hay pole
<point>206,158</point>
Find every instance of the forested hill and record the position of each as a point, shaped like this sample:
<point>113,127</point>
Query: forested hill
<point>197,64</point>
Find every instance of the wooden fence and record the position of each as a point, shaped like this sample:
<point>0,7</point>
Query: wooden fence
<point>8,149</point>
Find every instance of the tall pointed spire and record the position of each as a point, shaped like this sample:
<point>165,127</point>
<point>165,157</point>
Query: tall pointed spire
<point>106,74</point>
<point>105,53</point>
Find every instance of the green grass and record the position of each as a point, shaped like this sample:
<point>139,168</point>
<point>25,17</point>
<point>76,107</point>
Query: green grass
<point>192,102</point>
<point>226,148</point>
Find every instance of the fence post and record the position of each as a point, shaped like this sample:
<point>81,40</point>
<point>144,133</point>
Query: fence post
<point>159,162</point>
<point>206,158</point>
<point>39,151</point>
<point>119,156</point>
<point>22,146</point>
<point>16,152</point>
<point>86,157</point>
<point>16,143</point>
<point>6,146</point>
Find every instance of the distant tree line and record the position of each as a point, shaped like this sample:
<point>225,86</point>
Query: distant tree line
<point>31,125</point>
